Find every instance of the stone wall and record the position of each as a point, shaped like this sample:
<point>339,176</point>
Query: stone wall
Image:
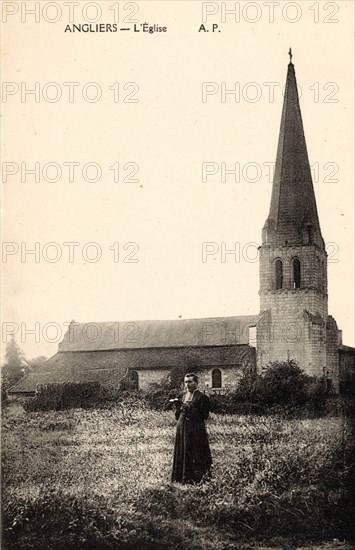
<point>313,267</point>
<point>296,325</point>
<point>231,360</point>
<point>148,377</point>
<point>230,377</point>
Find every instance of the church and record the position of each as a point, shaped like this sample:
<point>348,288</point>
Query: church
<point>293,322</point>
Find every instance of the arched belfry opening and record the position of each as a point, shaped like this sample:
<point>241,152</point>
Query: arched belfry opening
<point>278,274</point>
<point>296,269</point>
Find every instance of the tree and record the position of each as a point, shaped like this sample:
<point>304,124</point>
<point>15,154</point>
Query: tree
<point>15,364</point>
<point>284,383</point>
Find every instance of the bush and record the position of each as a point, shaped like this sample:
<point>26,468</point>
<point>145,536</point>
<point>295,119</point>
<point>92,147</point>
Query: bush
<point>158,396</point>
<point>283,389</point>
<point>282,384</point>
<point>58,397</point>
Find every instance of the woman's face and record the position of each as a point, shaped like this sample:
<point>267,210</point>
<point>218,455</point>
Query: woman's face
<point>190,383</point>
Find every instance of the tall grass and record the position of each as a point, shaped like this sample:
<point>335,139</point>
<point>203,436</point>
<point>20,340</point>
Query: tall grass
<point>100,479</point>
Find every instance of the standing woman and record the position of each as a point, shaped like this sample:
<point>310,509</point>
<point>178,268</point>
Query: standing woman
<point>192,455</point>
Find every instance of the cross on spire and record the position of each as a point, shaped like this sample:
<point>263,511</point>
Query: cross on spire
<point>290,54</point>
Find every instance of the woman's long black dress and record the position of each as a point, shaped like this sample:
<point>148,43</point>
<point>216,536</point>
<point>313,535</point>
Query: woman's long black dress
<point>192,455</point>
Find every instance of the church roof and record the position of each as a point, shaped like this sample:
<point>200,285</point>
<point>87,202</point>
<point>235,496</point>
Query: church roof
<point>72,367</point>
<point>214,331</point>
<point>293,210</point>
<point>110,367</point>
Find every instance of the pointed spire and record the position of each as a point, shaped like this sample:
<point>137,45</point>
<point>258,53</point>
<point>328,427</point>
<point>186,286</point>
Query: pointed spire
<point>293,217</point>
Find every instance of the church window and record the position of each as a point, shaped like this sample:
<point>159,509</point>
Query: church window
<point>278,274</point>
<point>296,273</point>
<point>310,234</point>
<point>133,380</point>
<point>216,378</point>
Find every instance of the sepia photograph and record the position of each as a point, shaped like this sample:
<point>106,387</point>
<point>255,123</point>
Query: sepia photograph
<point>177,262</point>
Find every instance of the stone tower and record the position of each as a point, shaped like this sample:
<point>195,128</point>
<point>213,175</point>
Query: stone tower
<point>294,321</point>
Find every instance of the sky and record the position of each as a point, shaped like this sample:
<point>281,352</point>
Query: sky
<point>113,170</point>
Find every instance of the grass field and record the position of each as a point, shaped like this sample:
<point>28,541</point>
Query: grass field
<point>99,479</point>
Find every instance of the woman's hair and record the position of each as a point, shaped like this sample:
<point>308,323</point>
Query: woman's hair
<point>193,376</point>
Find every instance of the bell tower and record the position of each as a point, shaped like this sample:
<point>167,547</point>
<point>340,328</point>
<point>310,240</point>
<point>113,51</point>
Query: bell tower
<point>294,321</point>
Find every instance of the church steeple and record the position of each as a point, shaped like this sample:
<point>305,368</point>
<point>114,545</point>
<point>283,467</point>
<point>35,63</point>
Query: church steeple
<point>293,217</point>
<point>294,322</point>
